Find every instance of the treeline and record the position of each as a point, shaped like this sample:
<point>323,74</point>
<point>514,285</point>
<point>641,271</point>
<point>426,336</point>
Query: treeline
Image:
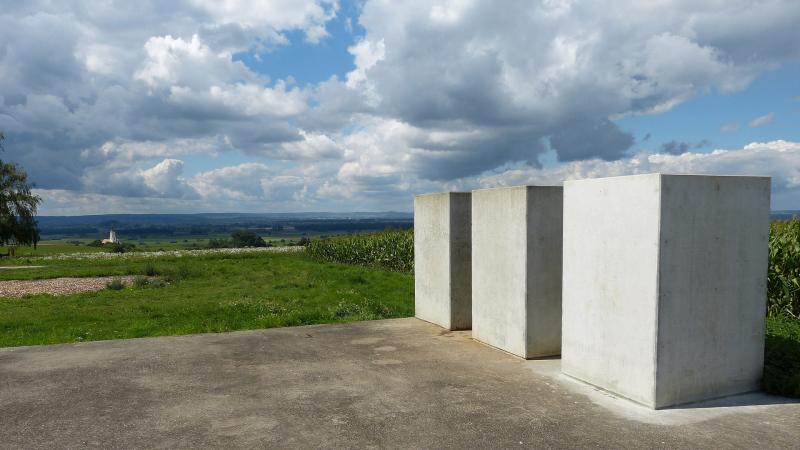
<point>264,228</point>
<point>328,226</point>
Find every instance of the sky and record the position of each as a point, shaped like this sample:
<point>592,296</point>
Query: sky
<point>324,105</point>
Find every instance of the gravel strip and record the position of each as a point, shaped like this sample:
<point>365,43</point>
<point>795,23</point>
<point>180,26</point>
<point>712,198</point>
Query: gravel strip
<point>175,253</point>
<point>57,286</point>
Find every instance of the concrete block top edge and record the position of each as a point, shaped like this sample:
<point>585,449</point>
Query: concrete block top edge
<point>524,186</point>
<point>671,175</point>
<point>431,194</point>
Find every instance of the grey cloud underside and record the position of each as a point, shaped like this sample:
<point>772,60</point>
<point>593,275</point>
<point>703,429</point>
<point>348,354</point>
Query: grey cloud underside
<point>442,92</point>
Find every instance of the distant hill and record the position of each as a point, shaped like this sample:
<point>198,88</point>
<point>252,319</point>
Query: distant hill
<point>216,223</point>
<point>785,215</point>
<point>220,223</point>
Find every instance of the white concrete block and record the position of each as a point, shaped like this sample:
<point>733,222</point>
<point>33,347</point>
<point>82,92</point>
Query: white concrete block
<point>516,269</point>
<point>442,259</point>
<point>665,285</point>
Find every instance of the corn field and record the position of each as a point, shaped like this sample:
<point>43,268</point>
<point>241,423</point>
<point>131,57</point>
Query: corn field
<point>392,250</point>
<point>783,285</point>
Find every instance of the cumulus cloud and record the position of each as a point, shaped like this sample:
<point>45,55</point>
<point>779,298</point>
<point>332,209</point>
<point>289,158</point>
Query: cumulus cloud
<point>552,75</point>
<point>163,180</point>
<point>258,187</point>
<point>777,159</point>
<point>114,96</point>
<point>310,17</point>
<point>173,61</point>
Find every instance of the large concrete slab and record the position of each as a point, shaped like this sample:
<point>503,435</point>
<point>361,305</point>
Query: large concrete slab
<point>384,384</point>
<point>516,269</point>
<point>442,261</point>
<point>665,285</point>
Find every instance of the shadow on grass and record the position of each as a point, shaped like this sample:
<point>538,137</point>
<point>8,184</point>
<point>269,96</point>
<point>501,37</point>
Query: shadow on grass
<point>782,365</point>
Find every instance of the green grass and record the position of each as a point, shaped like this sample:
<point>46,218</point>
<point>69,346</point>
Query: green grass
<point>149,243</point>
<point>46,248</point>
<point>197,294</point>
<point>782,357</point>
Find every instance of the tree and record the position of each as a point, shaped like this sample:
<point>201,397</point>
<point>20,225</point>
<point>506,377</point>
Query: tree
<point>18,206</point>
<point>247,238</point>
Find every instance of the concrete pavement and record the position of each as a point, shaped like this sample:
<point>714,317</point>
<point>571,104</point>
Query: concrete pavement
<point>383,384</point>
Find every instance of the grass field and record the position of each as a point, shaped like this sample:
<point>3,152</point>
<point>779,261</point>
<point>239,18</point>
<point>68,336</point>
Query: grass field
<point>150,243</point>
<point>211,293</point>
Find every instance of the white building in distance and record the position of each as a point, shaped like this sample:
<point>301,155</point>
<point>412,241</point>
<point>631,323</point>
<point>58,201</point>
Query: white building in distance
<point>112,238</point>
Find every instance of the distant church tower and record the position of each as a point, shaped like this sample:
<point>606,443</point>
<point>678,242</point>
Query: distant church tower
<point>112,238</point>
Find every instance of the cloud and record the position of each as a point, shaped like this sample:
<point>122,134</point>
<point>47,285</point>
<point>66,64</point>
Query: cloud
<point>116,97</point>
<point>531,78</point>
<point>163,180</point>
<point>674,147</point>
<point>188,63</point>
<point>363,184</point>
<point>777,159</point>
<point>311,146</point>
<point>762,120</point>
<point>730,127</point>
<point>310,17</point>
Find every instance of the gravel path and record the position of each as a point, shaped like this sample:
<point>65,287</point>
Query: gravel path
<point>57,286</point>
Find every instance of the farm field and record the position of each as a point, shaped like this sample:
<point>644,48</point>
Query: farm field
<point>222,291</point>
<point>148,244</point>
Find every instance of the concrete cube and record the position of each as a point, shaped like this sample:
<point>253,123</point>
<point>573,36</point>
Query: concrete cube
<point>665,285</point>
<point>442,261</point>
<point>516,269</point>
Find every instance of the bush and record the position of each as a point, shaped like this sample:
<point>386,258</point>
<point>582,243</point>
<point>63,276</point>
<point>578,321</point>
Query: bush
<point>122,248</point>
<point>782,357</point>
<point>140,282</point>
<point>177,273</point>
<point>115,285</point>
<point>156,283</point>
<point>247,238</point>
<point>150,269</point>
<point>218,243</point>
<point>392,250</point>
<point>783,285</point>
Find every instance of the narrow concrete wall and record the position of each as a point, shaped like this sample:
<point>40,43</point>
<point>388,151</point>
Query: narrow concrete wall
<point>442,259</point>
<point>516,269</point>
<point>664,285</point>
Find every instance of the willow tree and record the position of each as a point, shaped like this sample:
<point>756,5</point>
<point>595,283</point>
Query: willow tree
<point>18,207</point>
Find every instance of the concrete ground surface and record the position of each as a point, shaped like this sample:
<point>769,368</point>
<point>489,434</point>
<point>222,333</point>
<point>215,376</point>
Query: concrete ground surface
<point>384,384</point>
